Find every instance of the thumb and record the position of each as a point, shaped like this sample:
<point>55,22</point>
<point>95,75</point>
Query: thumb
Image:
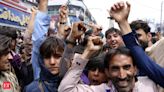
<point>128,5</point>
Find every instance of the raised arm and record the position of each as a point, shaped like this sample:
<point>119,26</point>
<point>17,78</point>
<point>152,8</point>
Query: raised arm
<point>41,25</point>
<point>42,21</point>
<point>120,12</point>
<point>30,26</point>
<point>67,57</point>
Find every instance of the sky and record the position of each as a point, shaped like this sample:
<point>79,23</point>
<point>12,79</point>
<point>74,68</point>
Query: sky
<point>140,9</point>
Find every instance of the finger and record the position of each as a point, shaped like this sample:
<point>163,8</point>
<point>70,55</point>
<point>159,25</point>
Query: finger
<point>121,4</point>
<point>61,14</point>
<point>82,27</point>
<point>113,7</point>
<point>35,7</point>
<point>93,37</point>
<point>117,6</point>
<point>62,6</point>
<point>128,5</point>
<point>91,45</point>
<point>81,33</point>
<point>97,47</point>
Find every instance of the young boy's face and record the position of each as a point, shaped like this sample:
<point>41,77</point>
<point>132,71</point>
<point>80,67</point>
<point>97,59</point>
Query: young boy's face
<point>114,40</point>
<point>52,64</point>
<point>96,76</point>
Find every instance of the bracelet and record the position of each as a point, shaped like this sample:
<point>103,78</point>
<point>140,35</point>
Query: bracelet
<point>70,42</point>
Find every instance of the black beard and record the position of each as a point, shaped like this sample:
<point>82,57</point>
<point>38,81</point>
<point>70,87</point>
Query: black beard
<point>144,45</point>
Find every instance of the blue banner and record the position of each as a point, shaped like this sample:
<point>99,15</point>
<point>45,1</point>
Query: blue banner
<point>13,16</point>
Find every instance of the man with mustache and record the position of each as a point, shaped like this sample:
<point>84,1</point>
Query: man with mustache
<point>120,69</point>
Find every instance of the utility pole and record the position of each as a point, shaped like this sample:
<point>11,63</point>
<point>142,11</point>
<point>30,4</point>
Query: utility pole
<point>111,22</point>
<point>161,21</point>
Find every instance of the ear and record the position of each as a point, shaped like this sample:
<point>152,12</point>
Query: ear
<point>149,36</point>
<point>135,70</point>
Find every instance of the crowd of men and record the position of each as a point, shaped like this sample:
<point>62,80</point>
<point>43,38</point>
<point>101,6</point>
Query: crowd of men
<point>74,58</point>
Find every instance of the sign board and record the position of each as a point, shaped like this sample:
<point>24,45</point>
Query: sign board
<point>13,16</point>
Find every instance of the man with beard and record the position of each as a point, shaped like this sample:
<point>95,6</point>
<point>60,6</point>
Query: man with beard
<point>122,70</point>
<point>155,51</point>
<point>142,30</point>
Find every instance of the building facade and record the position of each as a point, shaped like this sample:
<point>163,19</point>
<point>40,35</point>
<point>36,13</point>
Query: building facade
<point>77,10</point>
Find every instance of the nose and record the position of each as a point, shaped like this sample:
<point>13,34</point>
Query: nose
<point>122,74</point>
<point>52,60</point>
<point>10,57</point>
<point>112,38</point>
<point>96,72</point>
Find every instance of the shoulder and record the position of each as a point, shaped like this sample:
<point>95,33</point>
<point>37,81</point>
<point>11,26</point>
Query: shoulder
<point>32,86</point>
<point>100,88</point>
<point>144,84</point>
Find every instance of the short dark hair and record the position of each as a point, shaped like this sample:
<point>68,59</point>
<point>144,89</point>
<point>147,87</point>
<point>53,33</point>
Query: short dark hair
<point>10,32</point>
<point>111,30</point>
<point>113,52</point>
<point>5,44</point>
<point>52,46</point>
<point>140,24</point>
<point>96,62</point>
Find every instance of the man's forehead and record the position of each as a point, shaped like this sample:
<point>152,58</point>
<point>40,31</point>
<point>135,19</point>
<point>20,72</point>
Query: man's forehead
<point>140,31</point>
<point>113,33</point>
<point>121,59</point>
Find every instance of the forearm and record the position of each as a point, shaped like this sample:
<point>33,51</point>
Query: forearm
<point>41,26</point>
<point>125,27</point>
<point>30,26</point>
<point>66,60</point>
<point>60,33</point>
